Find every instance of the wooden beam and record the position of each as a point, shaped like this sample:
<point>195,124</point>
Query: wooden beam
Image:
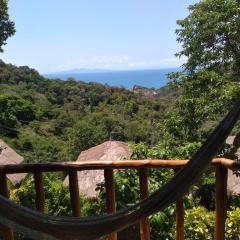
<point>221,202</point>
<point>110,196</point>
<point>94,165</point>
<point>7,231</point>
<point>74,193</point>
<point>180,219</point>
<point>40,195</point>
<point>144,223</point>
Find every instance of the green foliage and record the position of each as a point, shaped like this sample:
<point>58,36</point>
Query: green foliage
<point>199,224</point>
<point>130,108</point>
<point>136,132</point>
<point>15,110</point>
<point>57,197</point>
<point>127,188</point>
<point>55,120</point>
<point>206,96</point>
<point>93,206</point>
<point>210,80</point>
<point>162,224</point>
<point>24,195</point>
<point>165,150</point>
<point>84,135</point>
<point>233,225</point>
<point>7,28</point>
<point>40,149</point>
<point>11,75</point>
<point>71,116</point>
<point>210,35</point>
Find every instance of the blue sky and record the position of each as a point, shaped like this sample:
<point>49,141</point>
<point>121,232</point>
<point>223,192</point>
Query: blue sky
<point>59,35</point>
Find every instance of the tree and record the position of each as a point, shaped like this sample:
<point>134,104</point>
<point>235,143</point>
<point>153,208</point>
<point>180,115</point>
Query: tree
<point>7,27</point>
<point>14,110</point>
<point>84,135</point>
<point>210,36</point>
<point>210,81</point>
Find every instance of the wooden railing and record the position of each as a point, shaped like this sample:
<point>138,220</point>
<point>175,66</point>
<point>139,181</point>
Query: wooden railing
<point>220,165</point>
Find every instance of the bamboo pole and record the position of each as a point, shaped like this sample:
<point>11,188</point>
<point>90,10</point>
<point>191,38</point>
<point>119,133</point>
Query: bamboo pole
<point>40,195</point>
<point>7,231</point>
<point>144,223</point>
<point>221,202</point>
<point>110,196</point>
<point>74,193</point>
<point>179,217</point>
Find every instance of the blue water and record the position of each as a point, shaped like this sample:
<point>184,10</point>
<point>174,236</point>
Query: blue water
<point>146,78</point>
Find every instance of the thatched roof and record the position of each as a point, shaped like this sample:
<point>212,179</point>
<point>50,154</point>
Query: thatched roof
<point>233,180</point>
<point>230,140</point>
<point>233,184</point>
<point>9,156</point>
<point>107,151</point>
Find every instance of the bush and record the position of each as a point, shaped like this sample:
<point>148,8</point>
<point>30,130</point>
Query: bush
<point>162,224</point>
<point>57,197</point>
<point>199,224</point>
<point>15,110</point>
<point>233,225</point>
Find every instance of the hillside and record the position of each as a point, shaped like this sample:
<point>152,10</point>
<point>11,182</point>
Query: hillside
<point>53,120</point>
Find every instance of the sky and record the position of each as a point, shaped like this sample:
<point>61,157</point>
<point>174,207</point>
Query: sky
<point>56,35</point>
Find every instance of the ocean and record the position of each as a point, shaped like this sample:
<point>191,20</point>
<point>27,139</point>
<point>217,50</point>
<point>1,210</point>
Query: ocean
<point>146,78</point>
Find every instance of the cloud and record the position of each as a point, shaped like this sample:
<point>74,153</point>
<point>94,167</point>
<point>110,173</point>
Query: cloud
<point>116,62</point>
<point>174,60</point>
<point>103,62</point>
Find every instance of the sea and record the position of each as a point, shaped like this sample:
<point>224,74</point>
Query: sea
<point>154,78</point>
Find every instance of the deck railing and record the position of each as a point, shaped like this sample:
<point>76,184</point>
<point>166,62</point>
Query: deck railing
<point>219,165</point>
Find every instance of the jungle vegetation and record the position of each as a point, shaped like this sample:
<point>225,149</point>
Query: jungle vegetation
<point>52,120</point>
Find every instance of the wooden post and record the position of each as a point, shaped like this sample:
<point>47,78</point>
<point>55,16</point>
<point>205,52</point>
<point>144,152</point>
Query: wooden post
<point>110,196</point>
<point>179,217</point>
<point>74,193</point>
<point>144,223</point>
<point>7,232</point>
<point>40,195</point>
<point>221,202</point>
<point>179,220</point>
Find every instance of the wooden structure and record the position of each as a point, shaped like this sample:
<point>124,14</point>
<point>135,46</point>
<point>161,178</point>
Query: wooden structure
<point>219,165</point>
<point>233,187</point>
<point>9,156</point>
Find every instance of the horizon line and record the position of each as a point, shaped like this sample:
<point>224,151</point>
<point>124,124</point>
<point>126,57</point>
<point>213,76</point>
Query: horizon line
<point>102,70</point>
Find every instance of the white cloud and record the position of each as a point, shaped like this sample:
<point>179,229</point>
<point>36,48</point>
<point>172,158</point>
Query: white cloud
<point>120,62</point>
<point>174,60</point>
<point>101,62</point>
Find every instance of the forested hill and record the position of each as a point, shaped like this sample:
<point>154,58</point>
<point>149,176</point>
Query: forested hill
<point>53,120</point>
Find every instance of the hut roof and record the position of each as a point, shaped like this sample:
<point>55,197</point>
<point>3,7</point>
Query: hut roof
<point>9,156</point>
<point>107,151</point>
<point>230,140</point>
<point>233,179</point>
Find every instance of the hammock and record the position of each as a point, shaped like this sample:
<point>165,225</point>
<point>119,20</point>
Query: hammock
<point>34,223</point>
